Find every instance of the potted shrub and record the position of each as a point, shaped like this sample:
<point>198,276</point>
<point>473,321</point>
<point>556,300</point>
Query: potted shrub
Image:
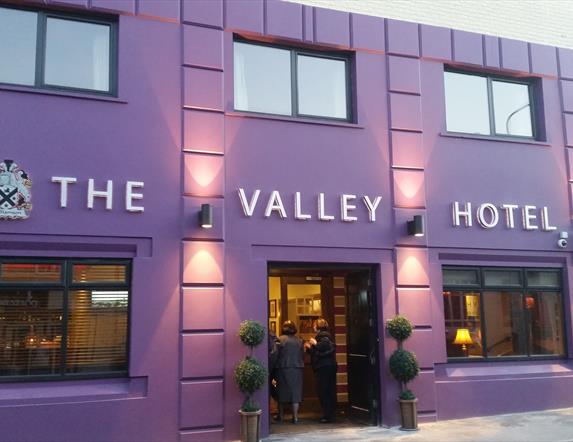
<point>250,376</point>
<point>404,368</point>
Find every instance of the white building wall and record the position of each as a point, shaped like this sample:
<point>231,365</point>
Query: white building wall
<point>540,21</point>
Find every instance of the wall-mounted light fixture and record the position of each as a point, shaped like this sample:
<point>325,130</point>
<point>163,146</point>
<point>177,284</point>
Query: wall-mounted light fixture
<point>416,226</point>
<point>206,216</point>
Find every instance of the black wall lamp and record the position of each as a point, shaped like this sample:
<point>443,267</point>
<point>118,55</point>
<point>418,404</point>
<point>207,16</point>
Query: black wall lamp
<point>416,226</point>
<point>206,216</point>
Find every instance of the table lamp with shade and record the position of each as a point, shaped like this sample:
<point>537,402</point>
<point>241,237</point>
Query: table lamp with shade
<point>463,338</point>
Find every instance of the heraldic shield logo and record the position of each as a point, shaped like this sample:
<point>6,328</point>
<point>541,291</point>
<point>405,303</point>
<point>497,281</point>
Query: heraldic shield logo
<point>15,191</point>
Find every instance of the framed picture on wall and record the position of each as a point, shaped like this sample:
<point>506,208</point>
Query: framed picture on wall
<point>273,326</point>
<point>273,308</point>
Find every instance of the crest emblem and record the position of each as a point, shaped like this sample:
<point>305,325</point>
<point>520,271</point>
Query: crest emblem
<point>15,191</point>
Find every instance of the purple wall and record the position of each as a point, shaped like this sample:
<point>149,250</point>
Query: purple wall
<point>173,127</point>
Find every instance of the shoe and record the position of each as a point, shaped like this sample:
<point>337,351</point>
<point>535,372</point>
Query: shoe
<point>294,420</point>
<point>325,420</point>
<point>277,418</point>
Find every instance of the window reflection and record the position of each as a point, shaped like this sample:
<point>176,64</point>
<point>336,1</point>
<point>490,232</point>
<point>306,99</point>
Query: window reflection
<point>462,312</point>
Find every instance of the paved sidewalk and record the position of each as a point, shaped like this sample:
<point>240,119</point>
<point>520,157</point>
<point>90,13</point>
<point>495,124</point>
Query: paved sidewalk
<point>544,426</point>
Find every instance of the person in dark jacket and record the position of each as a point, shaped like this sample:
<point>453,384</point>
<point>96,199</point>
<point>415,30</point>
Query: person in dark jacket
<point>288,370</point>
<point>323,358</point>
<point>273,356</point>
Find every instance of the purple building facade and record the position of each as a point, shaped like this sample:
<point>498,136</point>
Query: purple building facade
<point>169,137</point>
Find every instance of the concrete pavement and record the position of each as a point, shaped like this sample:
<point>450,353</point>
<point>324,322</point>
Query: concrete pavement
<point>544,426</point>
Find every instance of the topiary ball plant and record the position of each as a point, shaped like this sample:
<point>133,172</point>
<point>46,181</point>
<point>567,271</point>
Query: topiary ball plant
<point>400,328</point>
<point>251,333</point>
<point>404,366</point>
<point>250,376</point>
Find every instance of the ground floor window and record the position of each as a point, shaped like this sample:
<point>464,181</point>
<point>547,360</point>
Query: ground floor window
<point>62,318</point>
<point>494,313</point>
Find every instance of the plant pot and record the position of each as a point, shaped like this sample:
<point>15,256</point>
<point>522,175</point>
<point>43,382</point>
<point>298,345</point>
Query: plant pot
<point>250,426</point>
<point>409,414</point>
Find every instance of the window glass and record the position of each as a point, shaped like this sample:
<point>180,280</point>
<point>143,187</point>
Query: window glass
<point>467,108</point>
<point>460,276</point>
<point>262,79</point>
<point>18,46</point>
<point>98,273</point>
<point>507,278</point>
<point>30,272</point>
<point>30,331</point>
<point>463,324</point>
<point>77,54</point>
<point>540,278</point>
<point>512,109</point>
<point>546,323</point>
<point>505,324</point>
<point>97,331</point>
<point>321,87</point>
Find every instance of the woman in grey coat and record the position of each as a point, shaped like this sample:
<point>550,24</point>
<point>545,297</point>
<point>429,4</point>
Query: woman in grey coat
<point>288,369</point>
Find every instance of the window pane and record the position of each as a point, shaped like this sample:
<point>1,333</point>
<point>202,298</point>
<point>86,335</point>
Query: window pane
<point>18,46</point>
<point>546,316</point>
<point>321,87</point>
<point>507,278</point>
<point>30,272</point>
<point>77,54</point>
<point>262,79</point>
<point>539,278</point>
<point>97,331</point>
<point>463,324</point>
<point>460,277</point>
<point>511,109</point>
<point>98,273</point>
<point>30,332</point>
<point>467,108</point>
<point>505,324</point>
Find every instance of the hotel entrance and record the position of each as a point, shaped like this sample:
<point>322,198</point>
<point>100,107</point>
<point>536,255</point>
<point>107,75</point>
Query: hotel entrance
<point>345,296</point>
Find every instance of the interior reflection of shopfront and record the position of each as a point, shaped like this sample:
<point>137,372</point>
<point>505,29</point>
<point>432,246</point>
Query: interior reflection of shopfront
<point>63,318</point>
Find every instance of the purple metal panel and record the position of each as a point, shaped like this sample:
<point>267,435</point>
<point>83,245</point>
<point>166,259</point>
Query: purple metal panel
<point>565,63</point>
<point>421,344</point>
<point>468,47</point>
<point>284,19</point>
<point>215,435</point>
<point>514,55</point>
<point>202,355</point>
<point>411,266</point>
<point>245,15</point>
<point>168,10</point>
<point>204,175</point>
<point>543,59</point>
<point>409,189</point>
<point>203,308</point>
<point>407,149</point>
<point>424,388</point>
<point>567,95</point>
<point>569,164</point>
<point>406,112</point>
<point>436,42</point>
<point>491,51</point>
<point>203,131</point>
<point>568,118</point>
<point>190,219</point>
<point>203,89</point>
<point>416,305</point>
<point>201,404</point>
<point>404,74</point>
<point>82,3</point>
<point>203,262</point>
<point>332,27</point>
<point>202,47</point>
<point>402,38</point>
<point>204,12</point>
<point>368,32</point>
<point>115,5</point>
<point>308,23</point>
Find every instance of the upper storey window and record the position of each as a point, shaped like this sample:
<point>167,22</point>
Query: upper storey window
<point>61,51</point>
<point>284,81</point>
<point>488,105</point>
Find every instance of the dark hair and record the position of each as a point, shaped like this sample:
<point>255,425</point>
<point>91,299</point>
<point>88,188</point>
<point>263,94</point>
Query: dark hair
<point>322,324</point>
<point>289,328</point>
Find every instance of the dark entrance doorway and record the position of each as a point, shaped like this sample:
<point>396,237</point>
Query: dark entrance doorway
<point>346,297</point>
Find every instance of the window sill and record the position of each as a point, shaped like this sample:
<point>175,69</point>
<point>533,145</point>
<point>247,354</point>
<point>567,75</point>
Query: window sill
<point>287,119</point>
<point>472,370</point>
<point>29,393</point>
<point>61,93</point>
<point>496,139</point>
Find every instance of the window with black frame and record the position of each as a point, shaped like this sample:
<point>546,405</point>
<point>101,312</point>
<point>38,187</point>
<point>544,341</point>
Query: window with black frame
<point>484,104</point>
<point>497,313</point>
<point>294,82</point>
<point>52,50</point>
<point>63,318</point>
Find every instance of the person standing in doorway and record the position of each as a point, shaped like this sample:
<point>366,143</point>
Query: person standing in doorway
<point>323,359</point>
<point>288,370</point>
